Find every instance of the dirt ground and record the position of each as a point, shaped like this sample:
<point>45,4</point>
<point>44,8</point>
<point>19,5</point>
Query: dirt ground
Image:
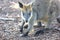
<point>9,30</point>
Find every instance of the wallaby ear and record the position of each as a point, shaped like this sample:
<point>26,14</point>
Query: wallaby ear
<point>20,5</point>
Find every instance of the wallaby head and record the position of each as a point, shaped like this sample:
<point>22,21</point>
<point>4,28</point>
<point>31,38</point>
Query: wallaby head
<point>26,11</point>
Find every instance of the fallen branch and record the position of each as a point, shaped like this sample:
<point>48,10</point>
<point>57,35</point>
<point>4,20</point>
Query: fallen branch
<point>7,19</point>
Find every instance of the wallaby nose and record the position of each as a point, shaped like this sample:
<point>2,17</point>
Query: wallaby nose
<point>26,20</point>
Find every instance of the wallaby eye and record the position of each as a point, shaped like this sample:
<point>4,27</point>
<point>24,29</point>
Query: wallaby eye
<point>20,5</point>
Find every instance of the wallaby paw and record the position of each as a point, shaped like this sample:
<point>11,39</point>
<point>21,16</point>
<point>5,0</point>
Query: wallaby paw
<point>23,35</point>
